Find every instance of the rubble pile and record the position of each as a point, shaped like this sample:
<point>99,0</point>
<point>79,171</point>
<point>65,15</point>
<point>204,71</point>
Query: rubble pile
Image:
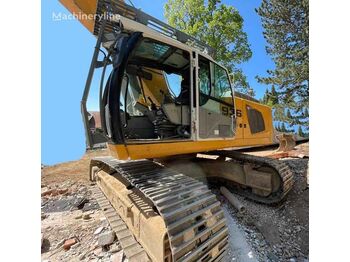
<point>73,226</point>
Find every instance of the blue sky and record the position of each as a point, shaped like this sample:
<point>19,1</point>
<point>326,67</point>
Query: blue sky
<point>67,49</point>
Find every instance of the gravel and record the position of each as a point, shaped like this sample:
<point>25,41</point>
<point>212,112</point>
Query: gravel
<point>280,232</point>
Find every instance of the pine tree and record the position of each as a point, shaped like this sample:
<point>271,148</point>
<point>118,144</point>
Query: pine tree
<point>283,128</point>
<point>300,131</point>
<point>273,95</point>
<point>277,127</point>
<point>265,98</point>
<point>286,30</point>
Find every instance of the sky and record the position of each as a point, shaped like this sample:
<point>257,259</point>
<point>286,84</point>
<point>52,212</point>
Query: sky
<point>67,49</point>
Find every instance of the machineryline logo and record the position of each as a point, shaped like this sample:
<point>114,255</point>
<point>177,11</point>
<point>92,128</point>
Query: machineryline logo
<point>82,16</point>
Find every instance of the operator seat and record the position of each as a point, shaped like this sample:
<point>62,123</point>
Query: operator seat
<point>184,96</point>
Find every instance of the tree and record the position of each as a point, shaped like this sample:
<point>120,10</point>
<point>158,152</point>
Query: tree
<point>265,99</point>
<point>286,30</point>
<point>300,131</point>
<point>278,127</point>
<point>274,96</point>
<point>283,128</point>
<point>218,25</point>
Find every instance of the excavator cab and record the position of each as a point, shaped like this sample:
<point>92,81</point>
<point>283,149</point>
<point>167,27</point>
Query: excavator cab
<point>154,94</point>
<point>161,90</point>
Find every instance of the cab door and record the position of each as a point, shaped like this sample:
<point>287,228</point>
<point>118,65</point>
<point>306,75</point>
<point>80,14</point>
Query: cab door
<point>216,107</point>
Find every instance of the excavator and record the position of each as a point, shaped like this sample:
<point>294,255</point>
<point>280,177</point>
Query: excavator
<point>172,122</point>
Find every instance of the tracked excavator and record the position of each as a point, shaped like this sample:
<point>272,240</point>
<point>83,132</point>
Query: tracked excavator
<point>171,121</point>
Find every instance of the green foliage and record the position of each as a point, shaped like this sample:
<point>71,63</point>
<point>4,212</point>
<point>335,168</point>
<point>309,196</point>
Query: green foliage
<point>281,127</point>
<point>286,30</point>
<point>270,98</point>
<point>300,131</point>
<point>218,25</point>
<point>274,96</point>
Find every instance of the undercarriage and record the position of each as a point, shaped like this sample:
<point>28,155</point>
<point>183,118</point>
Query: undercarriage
<point>167,205</point>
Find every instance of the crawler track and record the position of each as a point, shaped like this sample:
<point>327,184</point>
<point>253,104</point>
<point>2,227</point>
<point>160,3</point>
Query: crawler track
<point>132,249</point>
<point>282,169</point>
<point>193,217</point>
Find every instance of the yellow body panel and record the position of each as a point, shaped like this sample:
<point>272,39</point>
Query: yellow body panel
<point>243,138</point>
<point>84,10</point>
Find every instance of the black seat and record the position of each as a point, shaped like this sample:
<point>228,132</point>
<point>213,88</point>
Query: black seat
<point>184,96</point>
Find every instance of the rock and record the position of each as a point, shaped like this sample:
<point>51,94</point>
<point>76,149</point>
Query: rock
<point>80,202</point>
<point>68,243</point>
<point>43,216</point>
<point>59,244</point>
<point>98,251</point>
<point>63,191</point>
<point>93,246</point>
<point>98,230</point>
<point>86,216</point>
<point>114,248</point>
<point>106,238</point>
<point>82,256</point>
<point>49,192</point>
<point>76,245</point>
<point>72,235</point>
<point>54,192</point>
<point>78,216</point>
<point>117,257</point>
<point>292,259</point>
<point>42,239</point>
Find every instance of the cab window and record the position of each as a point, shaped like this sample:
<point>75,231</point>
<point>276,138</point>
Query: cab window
<point>222,86</point>
<point>204,80</point>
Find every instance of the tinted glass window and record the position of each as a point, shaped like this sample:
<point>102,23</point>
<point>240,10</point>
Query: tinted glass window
<point>222,87</point>
<point>256,120</point>
<point>204,80</point>
<point>151,50</point>
<point>162,53</point>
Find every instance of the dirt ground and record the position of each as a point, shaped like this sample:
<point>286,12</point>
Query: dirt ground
<point>70,212</point>
<point>275,233</point>
<point>75,171</point>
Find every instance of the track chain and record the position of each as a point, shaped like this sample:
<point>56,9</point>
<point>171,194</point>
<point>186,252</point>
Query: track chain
<point>132,249</point>
<point>194,219</point>
<point>283,170</point>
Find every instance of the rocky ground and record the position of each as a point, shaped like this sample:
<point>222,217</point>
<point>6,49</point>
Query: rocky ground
<point>278,233</point>
<point>74,228</point>
<point>72,225</point>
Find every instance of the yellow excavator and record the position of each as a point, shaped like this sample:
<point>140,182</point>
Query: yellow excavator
<point>172,123</point>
